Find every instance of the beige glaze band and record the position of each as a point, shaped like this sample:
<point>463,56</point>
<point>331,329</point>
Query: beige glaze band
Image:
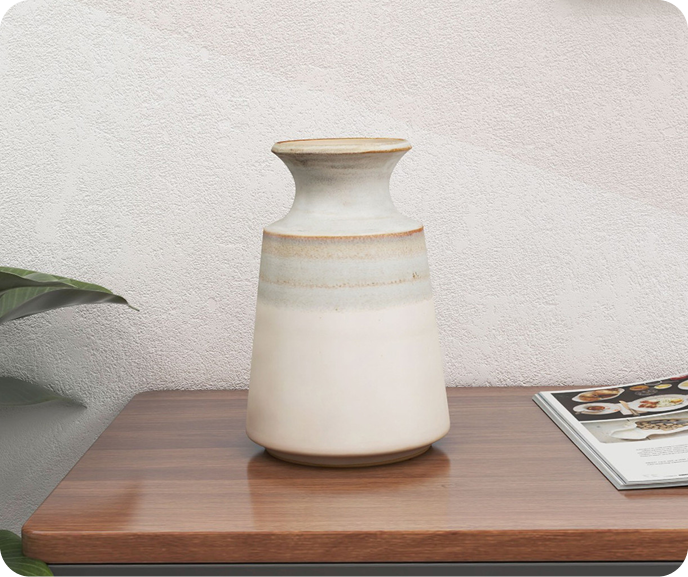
<point>332,273</point>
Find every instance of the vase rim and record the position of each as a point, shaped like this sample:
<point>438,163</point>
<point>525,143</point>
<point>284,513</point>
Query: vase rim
<point>341,146</point>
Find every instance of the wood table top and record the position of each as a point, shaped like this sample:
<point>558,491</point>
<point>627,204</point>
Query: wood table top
<point>174,479</point>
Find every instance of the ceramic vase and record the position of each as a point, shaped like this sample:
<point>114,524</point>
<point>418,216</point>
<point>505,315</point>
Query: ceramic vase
<point>346,367</point>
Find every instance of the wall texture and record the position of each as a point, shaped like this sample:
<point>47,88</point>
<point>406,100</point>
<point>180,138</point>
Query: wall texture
<point>550,163</point>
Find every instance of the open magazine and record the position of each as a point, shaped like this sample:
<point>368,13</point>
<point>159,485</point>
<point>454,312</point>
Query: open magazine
<point>637,434</point>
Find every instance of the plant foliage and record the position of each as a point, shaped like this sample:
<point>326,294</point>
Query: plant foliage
<point>27,292</point>
<point>17,393</point>
<point>11,549</point>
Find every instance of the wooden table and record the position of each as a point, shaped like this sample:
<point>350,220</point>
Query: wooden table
<point>175,480</point>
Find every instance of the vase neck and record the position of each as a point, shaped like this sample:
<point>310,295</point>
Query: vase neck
<point>342,186</point>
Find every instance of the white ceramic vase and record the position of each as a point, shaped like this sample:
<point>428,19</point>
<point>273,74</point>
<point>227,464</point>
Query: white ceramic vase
<point>346,368</point>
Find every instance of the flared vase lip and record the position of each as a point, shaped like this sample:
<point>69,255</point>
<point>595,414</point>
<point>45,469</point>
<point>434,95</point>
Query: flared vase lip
<point>341,146</point>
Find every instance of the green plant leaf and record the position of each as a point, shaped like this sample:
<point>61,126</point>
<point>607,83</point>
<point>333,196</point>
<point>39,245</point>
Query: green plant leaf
<point>26,292</point>
<point>16,393</point>
<point>11,549</point>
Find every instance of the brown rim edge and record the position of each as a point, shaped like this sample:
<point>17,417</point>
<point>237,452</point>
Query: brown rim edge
<point>404,148</point>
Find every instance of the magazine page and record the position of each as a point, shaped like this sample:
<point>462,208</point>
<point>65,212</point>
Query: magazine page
<point>641,429</point>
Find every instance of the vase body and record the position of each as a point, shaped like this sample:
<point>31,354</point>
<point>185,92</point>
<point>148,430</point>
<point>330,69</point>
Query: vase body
<point>346,367</point>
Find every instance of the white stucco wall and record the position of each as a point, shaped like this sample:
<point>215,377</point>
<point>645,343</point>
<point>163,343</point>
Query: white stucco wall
<point>549,166</point>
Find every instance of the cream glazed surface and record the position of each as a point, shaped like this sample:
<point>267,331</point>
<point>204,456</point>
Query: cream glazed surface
<point>346,367</point>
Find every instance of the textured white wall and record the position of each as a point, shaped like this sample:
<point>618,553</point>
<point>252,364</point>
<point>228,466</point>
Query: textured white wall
<point>550,166</point>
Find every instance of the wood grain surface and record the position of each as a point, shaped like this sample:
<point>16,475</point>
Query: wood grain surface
<point>174,479</point>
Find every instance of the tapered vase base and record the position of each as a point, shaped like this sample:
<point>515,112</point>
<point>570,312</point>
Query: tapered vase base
<point>350,461</point>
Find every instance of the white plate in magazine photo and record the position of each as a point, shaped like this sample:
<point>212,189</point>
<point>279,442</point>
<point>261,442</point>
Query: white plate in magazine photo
<point>659,403</point>
<point>638,433</point>
<point>589,408</point>
<point>597,395</point>
<point>683,385</point>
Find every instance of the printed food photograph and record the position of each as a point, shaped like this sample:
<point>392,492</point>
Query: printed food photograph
<point>640,429</point>
<point>620,403</point>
